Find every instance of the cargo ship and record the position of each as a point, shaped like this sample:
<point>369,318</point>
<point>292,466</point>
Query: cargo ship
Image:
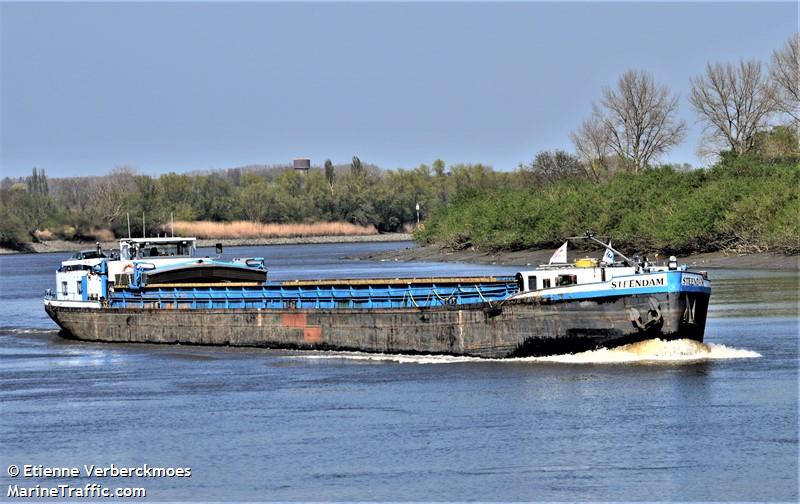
<point>156,290</point>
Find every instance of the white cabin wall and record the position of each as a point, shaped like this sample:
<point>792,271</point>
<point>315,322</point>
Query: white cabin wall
<point>73,279</point>
<point>584,275</point>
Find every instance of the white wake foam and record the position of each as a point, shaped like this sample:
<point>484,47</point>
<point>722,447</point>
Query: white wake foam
<point>27,330</point>
<point>401,358</point>
<point>649,351</point>
<point>655,350</point>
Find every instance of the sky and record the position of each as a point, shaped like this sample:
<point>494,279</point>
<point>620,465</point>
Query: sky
<point>85,87</point>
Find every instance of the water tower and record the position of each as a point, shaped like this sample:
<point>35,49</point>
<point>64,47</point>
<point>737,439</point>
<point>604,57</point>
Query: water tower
<point>302,165</point>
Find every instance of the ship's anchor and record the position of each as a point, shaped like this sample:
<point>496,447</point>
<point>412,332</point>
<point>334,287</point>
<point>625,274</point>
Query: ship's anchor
<point>654,316</point>
<point>688,313</point>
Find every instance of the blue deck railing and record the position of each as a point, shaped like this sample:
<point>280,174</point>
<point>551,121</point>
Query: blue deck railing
<point>278,296</point>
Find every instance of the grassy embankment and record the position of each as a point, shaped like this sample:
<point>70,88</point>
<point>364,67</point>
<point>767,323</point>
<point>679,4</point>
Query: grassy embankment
<point>742,205</point>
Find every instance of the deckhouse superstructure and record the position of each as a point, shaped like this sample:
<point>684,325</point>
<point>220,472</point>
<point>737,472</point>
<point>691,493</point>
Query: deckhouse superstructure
<point>81,274</point>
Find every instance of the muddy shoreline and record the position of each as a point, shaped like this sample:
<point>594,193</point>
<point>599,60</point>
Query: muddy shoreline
<point>72,246</point>
<point>533,258</point>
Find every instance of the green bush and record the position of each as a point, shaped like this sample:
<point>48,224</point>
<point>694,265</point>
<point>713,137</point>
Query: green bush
<point>745,204</point>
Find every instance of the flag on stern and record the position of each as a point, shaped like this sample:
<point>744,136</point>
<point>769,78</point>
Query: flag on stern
<point>560,256</point>
<point>608,257</point>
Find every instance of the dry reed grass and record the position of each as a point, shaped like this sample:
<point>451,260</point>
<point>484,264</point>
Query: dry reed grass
<point>102,234</point>
<point>43,234</point>
<point>247,229</point>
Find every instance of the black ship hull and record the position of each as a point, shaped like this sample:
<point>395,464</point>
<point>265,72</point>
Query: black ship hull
<point>514,328</point>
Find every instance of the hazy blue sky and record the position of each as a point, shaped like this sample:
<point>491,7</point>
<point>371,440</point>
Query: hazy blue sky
<point>177,87</point>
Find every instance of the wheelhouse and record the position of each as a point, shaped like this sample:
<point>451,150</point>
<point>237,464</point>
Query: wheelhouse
<point>149,248</point>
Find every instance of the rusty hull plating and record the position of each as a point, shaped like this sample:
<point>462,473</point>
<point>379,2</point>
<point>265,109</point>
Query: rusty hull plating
<point>516,328</point>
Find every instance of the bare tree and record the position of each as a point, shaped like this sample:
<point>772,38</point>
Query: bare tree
<point>639,119</point>
<point>74,192</point>
<point>734,102</point>
<point>591,145</point>
<point>784,70</point>
<point>550,166</point>
<point>108,194</point>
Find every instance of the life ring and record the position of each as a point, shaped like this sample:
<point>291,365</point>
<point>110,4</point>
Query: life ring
<point>128,267</point>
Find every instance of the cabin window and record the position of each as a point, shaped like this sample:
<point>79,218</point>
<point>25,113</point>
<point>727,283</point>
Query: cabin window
<point>531,282</point>
<point>80,287</point>
<point>567,279</point>
<point>64,288</point>
<point>164,250</point>
<point>546,283</point>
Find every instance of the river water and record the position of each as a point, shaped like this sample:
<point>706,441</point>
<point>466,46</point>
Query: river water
<point>654,421</point>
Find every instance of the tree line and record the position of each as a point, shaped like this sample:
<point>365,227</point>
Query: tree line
<point>37,207</point>
<point>744,204</point>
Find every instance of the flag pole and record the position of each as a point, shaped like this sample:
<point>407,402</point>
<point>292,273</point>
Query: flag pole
<point>590,236</point>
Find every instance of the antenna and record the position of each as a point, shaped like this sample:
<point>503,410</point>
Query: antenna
<point>143,227</point>
<point>128,215</point>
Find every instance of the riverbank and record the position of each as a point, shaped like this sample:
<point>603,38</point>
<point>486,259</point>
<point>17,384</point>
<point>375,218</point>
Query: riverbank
<point>770,261</point>
<point>534,258</point>
<point>744,203</point>
<point>72,246</point>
